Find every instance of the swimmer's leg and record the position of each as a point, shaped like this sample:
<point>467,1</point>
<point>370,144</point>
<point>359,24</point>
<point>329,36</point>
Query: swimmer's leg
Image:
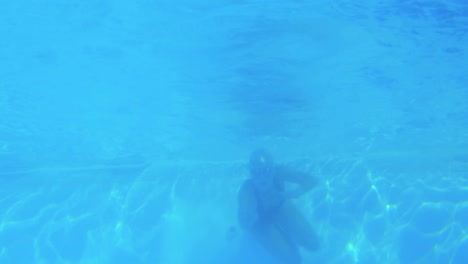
<point>295,225</point>
<point>276,243</point>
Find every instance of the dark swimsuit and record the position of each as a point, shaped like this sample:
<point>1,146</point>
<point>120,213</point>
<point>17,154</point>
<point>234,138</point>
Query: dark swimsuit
<point>269,191</point>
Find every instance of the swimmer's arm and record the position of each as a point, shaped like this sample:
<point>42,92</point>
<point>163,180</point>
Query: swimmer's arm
<point>247,210</point>
<point>304,181</point>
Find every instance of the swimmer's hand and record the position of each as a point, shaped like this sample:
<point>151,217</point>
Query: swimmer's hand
<point>303,182</point>
<point>301,188</point>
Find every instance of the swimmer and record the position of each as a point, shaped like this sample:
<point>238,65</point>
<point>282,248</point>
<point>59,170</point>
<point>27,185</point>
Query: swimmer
<point>267,212</point>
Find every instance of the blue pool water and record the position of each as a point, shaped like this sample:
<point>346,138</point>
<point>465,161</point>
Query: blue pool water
<point>126,127</point>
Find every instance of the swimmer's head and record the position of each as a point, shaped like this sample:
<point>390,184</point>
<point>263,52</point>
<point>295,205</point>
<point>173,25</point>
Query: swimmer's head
<point>261,162</point>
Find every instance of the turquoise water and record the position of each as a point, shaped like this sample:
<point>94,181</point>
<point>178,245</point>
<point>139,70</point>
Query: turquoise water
<point>125,127</point>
